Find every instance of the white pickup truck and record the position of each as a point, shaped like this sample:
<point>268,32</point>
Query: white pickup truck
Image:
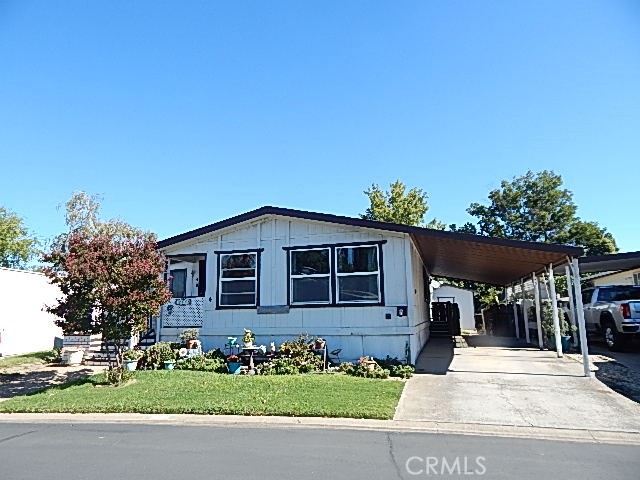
<point>614,312</point>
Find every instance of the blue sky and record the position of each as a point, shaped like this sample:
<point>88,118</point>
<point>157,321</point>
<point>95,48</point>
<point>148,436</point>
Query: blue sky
<point>183,113</point>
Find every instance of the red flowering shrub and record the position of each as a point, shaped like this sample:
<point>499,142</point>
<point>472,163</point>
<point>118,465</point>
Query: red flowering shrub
<point>111,284</point>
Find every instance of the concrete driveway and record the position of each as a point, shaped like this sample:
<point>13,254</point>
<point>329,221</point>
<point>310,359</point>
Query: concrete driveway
<point>511,385</point>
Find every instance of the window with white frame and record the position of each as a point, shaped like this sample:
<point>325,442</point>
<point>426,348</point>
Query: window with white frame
<point>357,274</point>
<point>310,276</point>
<point>636,278</point>
<point>238,279</point>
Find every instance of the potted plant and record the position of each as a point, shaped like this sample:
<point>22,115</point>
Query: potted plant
<point>168,358</point>
<point>130,358</point>
<point>549,330</point>
<point>248,338</point>
<point>189,336</point>
<point>234,364</point>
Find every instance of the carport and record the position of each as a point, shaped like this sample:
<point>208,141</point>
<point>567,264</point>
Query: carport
<point>508,264</point>
<point>609,263</point>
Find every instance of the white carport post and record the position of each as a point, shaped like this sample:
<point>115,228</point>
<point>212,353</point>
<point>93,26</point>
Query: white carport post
<point>525,313</point>
<point>536,291</point>
<point>575,270</point>
<point>554,307</point>
<point>515,309</point>
<point>572,308</point>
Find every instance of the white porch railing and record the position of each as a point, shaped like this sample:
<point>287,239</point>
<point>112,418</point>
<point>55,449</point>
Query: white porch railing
<point>183,312</point>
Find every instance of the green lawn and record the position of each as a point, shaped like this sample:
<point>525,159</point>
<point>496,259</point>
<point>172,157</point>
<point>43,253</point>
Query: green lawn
<point>35,357</point>
<point>210,393</point>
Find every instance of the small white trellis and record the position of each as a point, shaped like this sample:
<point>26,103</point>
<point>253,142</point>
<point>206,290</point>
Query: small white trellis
<point>183,312</point>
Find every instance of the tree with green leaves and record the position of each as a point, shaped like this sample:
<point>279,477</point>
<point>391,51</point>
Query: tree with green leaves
<point>82,214</point>
<point>595,239</point>
<point>17,246</point>
<point>397,205</point>
<point>110,274</point>
<point>536,207</point>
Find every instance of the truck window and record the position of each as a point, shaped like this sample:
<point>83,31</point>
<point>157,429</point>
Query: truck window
<point>605,295</point>
<point>586,296</point>
<point>619,294</point>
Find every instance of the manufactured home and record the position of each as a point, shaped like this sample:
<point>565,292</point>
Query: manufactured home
<point>361,285</point>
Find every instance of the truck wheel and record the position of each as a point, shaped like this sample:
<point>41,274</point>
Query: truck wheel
<point>612,337</point>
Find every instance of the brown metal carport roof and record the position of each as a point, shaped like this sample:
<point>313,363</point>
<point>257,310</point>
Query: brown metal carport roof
<point>491,260</point>
<point>606,263</point>
<point>463,256</point>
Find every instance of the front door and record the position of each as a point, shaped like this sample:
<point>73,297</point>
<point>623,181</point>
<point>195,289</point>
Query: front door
<point>179,282</point>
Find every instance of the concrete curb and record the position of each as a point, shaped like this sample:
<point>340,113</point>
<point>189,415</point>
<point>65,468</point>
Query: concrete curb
<point>509,431</point>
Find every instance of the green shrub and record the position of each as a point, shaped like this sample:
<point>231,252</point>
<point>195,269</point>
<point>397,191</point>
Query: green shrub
<point>118,376</point>
<point>277,366</point>
<point>402,371</point>
<point>546,320</point>
<point>215,353</point>
<point>347,367</point>
<point>189,334</point>
<point>203,364</point>
<point>155,356</point>
<point>396,367</point>
<point>363,369</point>
<point>388,362</point>
<point>301,356</point>
<point>366,372</point>
<point>53,356</point>
<point>132,354</point>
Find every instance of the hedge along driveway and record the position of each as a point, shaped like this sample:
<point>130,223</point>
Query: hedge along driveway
<point>314,395</point>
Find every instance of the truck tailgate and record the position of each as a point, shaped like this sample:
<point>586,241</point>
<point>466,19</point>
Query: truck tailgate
<point>634,309</point>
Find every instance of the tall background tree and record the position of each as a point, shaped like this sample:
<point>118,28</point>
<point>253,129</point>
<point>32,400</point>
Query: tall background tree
<point>17,246</point>
<point>397,205</point>
<point>536,207</point>
<point>110,274</point>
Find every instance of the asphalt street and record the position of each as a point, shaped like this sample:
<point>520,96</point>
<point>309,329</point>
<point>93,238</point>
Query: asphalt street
<point>162,452</point>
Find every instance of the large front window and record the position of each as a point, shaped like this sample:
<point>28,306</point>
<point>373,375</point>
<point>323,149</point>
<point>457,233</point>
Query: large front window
<point>338,274</point>
<point>238,279</point>
<point>358,274</point>
<point>310,276</point>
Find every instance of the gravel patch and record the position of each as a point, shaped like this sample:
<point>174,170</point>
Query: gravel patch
<point>29,378</point>
<point>615,375</point>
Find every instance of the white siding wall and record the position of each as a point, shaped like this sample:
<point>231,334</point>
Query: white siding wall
<point>419,308</point>
<point>24,326</point>
<point>620,278</point>
<point>357,330</point>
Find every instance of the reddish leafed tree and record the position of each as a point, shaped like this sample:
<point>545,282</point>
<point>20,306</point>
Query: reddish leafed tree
<point>111,284</point>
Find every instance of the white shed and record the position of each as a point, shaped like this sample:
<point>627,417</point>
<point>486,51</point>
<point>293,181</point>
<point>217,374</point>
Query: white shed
<point>24,324</point>
<point>443,292</point>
